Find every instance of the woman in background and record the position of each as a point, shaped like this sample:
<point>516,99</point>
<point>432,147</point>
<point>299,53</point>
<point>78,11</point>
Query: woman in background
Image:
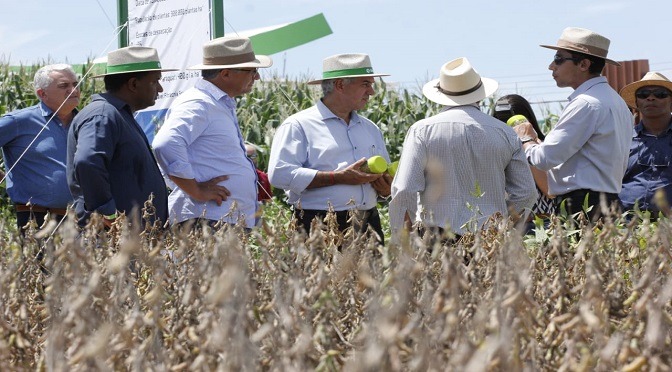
<point>512,105</point>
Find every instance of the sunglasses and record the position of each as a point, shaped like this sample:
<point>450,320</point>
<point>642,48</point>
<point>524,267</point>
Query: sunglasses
<point>558,59</point>
<point>253,71</point>
<point>658,93</point>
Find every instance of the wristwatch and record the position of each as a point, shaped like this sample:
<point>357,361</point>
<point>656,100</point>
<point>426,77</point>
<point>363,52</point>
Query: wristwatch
<point>527,139</point>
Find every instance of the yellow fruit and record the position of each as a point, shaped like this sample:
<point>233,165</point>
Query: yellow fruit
<point>392,168</point>
<point>376,164</point>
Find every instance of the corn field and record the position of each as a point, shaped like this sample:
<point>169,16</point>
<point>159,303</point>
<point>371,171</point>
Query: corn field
<point>573,296</point>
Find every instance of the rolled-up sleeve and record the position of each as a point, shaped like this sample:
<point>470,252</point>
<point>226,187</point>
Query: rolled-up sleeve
<point>408,181</point>
<point>573,130</point>
<point>183,125</point>
<point>289,154</point>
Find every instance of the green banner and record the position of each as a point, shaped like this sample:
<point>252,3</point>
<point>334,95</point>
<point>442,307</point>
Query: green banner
<point>291,35</point>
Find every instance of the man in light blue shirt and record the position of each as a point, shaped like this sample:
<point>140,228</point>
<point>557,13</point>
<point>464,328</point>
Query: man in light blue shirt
<point>200,147</point>
<point>586,153</point>
<point>36,171</point>
<point>317,153</point>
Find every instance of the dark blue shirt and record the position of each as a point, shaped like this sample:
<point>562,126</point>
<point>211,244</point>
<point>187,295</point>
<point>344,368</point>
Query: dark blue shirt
<point>648,169</point>
<point>111,166</point>
<point>39,177</point>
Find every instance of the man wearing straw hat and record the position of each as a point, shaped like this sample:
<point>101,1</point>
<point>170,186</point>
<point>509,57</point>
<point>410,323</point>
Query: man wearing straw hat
<point>200,146</point>
<point>464,164</point>
<point>34,142</point>
<point>586,153</point>
<point>111,167</point>
<point>647,184</point>
<point>317,153</point>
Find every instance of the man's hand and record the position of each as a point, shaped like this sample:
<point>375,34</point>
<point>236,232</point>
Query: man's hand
<point>352,175</point>
<point>204,191</point>
<point>525,130</point>
<point>383,185</point>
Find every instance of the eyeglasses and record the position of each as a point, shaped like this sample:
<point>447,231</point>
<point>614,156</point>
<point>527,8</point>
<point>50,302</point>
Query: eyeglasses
<point>252,156</point>
<point>558,59</point>
<point>253,71</point>
<point>658,93</point>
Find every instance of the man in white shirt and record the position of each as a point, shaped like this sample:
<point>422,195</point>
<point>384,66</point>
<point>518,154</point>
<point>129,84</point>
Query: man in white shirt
<point>586,153</point>
<point>200,147</point>
<point>317,153</point>
<point>461,166</point>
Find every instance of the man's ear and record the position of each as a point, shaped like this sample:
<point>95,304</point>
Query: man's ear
<point>585,64</point>
<point>41,94</point>
<point>132,83</point>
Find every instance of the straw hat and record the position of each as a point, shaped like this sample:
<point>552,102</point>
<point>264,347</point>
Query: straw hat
<point>231,52</point>
<point>342,66</point>
<point>655,79</point>
<point>459,84</point>
<point>132,59</point>
<point>581,40</point>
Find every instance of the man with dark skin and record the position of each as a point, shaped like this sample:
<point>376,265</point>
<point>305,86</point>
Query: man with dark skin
<point>111,167</point>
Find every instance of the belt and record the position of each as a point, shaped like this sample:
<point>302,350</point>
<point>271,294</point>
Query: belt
<point>40,209</point>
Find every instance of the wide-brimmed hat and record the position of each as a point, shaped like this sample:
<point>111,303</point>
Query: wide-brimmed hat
<point>459,84</point>
<point>581,40</point>
<point>231,52</point>
<point>654,79</point>
<point>132,59</point>
<point>342,66</point>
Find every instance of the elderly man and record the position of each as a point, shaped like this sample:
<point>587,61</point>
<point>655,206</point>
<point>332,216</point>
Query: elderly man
<point>649,171</point>
<point>111,168</point>
<point>317,153</point>
<point>200,146</point>
<point>36,180</point>
<point>463,164</point>
<point>586,153</point>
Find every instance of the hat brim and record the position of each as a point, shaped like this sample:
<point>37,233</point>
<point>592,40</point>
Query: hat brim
<point>628,91</point>
<point>554,47</point>
<point>260,61</point>
<point>431,91</point>
<point>131,72</point>
<point>318,81</point>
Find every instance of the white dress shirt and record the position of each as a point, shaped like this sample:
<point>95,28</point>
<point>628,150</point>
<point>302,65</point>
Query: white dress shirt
<point>589,146</point>
<point>315,140</point>
<point>201,140</point>
<point>465,166</point>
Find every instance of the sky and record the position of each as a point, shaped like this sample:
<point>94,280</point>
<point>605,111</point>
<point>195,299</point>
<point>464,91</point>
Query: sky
<point>410,40</point>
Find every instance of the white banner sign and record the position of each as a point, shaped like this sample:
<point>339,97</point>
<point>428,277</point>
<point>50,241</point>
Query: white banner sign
<point>177,29</point>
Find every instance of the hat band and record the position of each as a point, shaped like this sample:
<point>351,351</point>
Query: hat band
<point>133,67</point>
<point>462,93</point>
<point>588,49</point>
<point>229,60</point>
<point>347,72</point>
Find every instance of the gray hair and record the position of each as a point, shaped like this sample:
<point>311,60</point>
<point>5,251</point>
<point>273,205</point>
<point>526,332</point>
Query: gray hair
<point>42,78</point>
<point>328,85</point>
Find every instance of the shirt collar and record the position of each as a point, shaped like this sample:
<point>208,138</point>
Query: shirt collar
<point>639,129</point>
<point>47,112</point>
<point>118,103</point>
<point>215,92</point>
<point>587,85</point>
<point>327,114</point>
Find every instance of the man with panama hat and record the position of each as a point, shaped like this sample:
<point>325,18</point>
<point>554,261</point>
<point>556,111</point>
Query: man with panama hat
<point>317,153</point>
<point>463,164</point>
<point>200,147</point>
<point>649,171</point>
<point>586,153</point>
<point>110,165</point>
